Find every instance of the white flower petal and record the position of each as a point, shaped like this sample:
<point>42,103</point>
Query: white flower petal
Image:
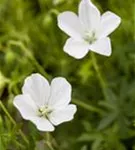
<point>109,22</point>
<point>42,124</point>
<point>102,46</point>
<point>60,93</point>
<point>25,105</point>
<point>63,115</point>
<point>38,88</point>
<point>89,15</point>
<point>76,49</point>
<point>69,23</point>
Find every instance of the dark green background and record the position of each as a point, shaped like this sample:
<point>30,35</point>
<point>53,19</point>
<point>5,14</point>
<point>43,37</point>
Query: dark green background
<point>30,41</point>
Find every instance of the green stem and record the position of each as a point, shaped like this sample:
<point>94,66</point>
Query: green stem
<point>23,137</point>
<point>100,78</point>
<point>13,122</point>
<point>88,107</point>
<point>50,146</point>
<point>39,67</point>
<point>7,113</point>
<point>29,55</point>
<point>48,143</point>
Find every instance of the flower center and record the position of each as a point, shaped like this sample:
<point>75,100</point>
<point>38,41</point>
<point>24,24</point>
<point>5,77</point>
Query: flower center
<point>44,111</point>
<point>90,37</point>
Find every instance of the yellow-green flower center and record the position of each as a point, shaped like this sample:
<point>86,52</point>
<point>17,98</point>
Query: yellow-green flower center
<point>90,37</point>
<point>44,111</point>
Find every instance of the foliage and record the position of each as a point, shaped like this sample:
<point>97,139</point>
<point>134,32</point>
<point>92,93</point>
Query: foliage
<point>103,87</point>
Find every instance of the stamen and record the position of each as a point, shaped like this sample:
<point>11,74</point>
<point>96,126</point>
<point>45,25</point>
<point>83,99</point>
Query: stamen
<point>44,111</point>
<point>90,37</point>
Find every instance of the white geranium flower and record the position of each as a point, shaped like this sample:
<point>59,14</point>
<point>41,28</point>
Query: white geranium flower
<point>88,31</point>
<point>43,104</point>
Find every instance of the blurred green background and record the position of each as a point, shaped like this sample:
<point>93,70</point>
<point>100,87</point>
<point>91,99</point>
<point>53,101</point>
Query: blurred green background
<point>103,87</point>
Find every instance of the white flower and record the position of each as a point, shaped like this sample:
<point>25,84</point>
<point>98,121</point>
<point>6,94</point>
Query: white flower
<point>43,104</point>
<point>88,31</point>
